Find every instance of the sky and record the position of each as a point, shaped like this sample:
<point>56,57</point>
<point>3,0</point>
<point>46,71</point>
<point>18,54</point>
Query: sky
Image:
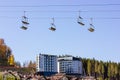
<point>70,37</point>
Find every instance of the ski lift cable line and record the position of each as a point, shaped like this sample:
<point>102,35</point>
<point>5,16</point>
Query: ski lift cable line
<point>74,18</point>
<point>11,17</point>
<point>74,5</point>
<point>65,11</point>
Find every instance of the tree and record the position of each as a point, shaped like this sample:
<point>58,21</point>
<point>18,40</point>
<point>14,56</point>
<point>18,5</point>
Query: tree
<point>3,57</point>
<point>32,64</point>
<point>11,60</point>
<point>6,59</point>
<point>116,71</point>
<point>93,67</point>
<point>102,70</point>
<point>96,68</point>
<point>18,64</point>
<point>109,70</point>
<point>89,67</point>
<point>84,62</point>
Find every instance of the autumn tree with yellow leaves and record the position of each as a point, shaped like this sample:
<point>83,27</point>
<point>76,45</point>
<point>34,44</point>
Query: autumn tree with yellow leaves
<point>6,56</point>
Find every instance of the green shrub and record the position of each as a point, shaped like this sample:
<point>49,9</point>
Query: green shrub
<point>8,77</point>
<point>1,76</point>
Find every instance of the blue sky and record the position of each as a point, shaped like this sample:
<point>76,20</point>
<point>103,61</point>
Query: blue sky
<point>70,37</point>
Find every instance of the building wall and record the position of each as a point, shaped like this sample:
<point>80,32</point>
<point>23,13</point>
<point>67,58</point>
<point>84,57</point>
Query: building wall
<point>41,63</point>
<point>37,63</point>
<point>77,67</point>
<point>46,63</point>
<point>69,65</point>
